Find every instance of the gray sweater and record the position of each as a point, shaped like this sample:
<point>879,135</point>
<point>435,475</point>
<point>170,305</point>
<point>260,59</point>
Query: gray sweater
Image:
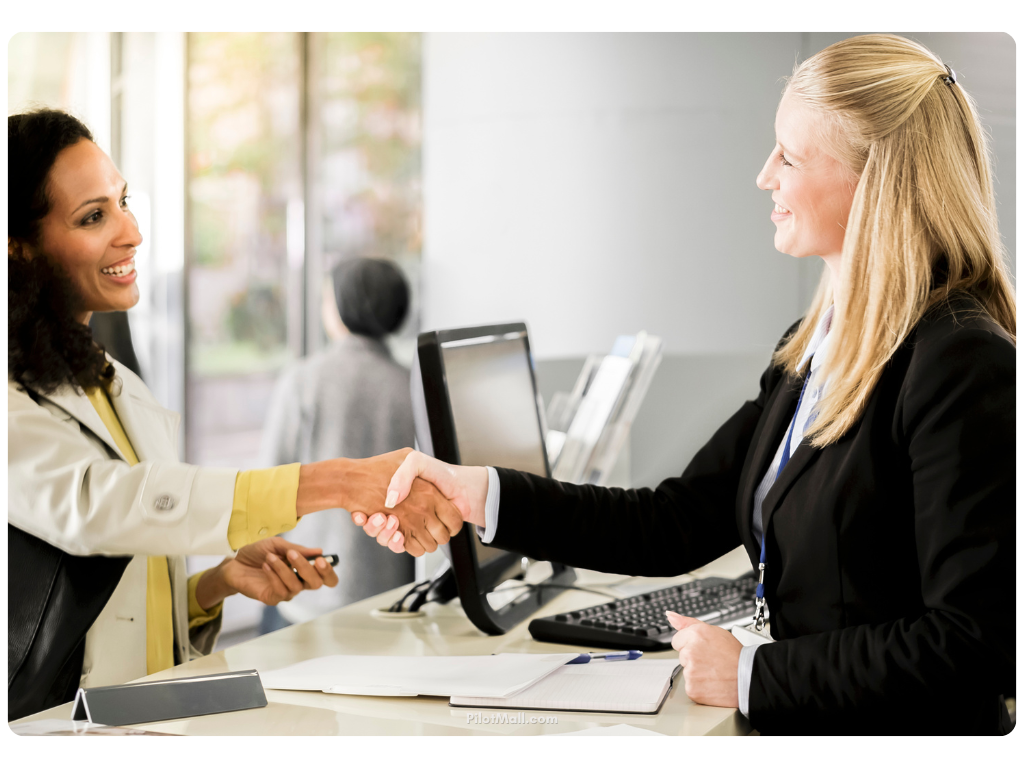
<point>350,400</point>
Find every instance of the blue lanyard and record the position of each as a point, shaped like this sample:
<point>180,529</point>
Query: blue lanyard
<point>759,601</point>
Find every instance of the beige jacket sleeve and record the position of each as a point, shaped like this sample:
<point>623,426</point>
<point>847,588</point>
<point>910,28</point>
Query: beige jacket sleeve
<point>69,488</point>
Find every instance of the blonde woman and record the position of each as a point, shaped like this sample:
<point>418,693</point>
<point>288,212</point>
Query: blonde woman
<point>873,475</point>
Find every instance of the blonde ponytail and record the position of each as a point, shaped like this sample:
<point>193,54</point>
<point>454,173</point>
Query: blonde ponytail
<point>923,221</point>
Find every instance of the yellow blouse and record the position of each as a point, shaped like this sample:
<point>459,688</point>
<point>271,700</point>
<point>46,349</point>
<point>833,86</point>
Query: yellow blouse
<point>263,505</point>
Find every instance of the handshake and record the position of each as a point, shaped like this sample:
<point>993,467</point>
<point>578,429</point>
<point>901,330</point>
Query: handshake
<point>406,500</point>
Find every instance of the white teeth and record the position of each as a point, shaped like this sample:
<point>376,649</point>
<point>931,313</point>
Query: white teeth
<point>120,271</point>
<point>780,209</point>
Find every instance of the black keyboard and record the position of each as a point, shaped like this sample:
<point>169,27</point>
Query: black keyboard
<point>639,621</point>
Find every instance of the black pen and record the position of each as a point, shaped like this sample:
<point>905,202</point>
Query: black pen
<point>332,560</point>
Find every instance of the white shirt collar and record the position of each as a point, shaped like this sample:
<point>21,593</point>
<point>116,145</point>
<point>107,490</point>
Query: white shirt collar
<point>819,340</point>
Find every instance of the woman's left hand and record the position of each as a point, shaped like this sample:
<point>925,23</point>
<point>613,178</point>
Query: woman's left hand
<point>710,659</point>
<point>263,571</point>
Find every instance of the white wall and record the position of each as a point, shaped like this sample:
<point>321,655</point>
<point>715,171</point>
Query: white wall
<point>596,184</point>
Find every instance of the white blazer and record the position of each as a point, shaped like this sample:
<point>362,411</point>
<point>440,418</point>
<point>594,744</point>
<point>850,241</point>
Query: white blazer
<point>69,485</point>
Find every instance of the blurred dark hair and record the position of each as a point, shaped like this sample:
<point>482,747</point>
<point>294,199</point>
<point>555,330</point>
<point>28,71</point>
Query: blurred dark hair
<point>372,296</point>
<point>46,345</point>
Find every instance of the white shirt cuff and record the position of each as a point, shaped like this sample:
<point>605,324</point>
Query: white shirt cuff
<point>743,673</point>
<point>490,528</point>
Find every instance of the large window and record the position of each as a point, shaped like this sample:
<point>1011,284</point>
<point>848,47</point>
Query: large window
<point>303,150</point>
<point>368,98</point>
<point>245,247</point>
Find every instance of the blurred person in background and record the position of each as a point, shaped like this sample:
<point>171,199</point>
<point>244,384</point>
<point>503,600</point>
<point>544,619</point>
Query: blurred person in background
<point>351,399</point>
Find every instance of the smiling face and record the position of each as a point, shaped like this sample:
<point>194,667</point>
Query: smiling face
<point>89,230</point>
<point>812,191</point>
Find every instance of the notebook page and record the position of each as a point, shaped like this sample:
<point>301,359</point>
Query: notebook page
<point>600,686</point>
<point>503,674</point>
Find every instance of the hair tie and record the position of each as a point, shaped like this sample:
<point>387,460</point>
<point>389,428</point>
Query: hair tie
<point>950,78</point>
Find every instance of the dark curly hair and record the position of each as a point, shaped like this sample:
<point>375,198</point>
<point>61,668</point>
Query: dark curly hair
<point>47,347</point>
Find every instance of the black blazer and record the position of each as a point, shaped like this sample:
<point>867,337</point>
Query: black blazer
<point>890,553</point>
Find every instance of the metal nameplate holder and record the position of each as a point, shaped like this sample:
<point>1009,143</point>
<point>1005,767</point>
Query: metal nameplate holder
<point>151,701</point>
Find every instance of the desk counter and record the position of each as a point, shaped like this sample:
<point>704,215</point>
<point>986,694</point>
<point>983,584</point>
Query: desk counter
<point>442,630</point>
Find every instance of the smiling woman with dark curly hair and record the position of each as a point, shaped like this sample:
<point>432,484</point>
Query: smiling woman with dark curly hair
<point>92,456</point>
<point>47,345</point>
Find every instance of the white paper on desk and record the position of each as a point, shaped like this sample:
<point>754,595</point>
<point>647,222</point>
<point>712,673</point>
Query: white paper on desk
<point>503,674</point>
<point>600,686</point>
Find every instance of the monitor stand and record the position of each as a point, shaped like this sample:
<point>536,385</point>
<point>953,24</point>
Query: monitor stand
<point>464,577</point>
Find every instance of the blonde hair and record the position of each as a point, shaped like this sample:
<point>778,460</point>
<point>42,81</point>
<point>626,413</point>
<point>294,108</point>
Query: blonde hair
<point>923,220</point>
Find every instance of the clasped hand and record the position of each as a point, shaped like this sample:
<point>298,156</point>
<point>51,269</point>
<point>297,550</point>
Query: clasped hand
<point>418,475</point>
<point>423,516</point>
<point>420,520</point>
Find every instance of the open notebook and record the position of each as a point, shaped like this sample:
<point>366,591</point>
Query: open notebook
<point>620,687</point>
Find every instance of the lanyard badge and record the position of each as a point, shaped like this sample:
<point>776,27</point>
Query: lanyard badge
<point>759,601</point>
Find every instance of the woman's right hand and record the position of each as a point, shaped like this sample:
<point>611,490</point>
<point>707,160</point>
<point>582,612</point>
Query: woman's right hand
<point>465,487</point>
<point>263,571</point>
<point>425,518</point>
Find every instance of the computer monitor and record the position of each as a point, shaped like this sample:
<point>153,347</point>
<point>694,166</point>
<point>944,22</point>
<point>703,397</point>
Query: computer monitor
<point>475,403</point>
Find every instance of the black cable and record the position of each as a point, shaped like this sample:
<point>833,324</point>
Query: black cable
<point>423,587</point>
<point>422,592</point>
<point>422,599</point>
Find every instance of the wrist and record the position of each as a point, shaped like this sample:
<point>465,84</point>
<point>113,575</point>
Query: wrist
<point>322,485</point>
<point>212,587</point>
<point>477,487</point>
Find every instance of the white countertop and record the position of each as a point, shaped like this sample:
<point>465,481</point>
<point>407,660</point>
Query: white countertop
<point>442,630</point>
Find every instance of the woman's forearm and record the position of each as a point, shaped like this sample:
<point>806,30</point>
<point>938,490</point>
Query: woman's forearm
<point>641,532</point>
<point>358,485</point>
<point>319,486</point>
